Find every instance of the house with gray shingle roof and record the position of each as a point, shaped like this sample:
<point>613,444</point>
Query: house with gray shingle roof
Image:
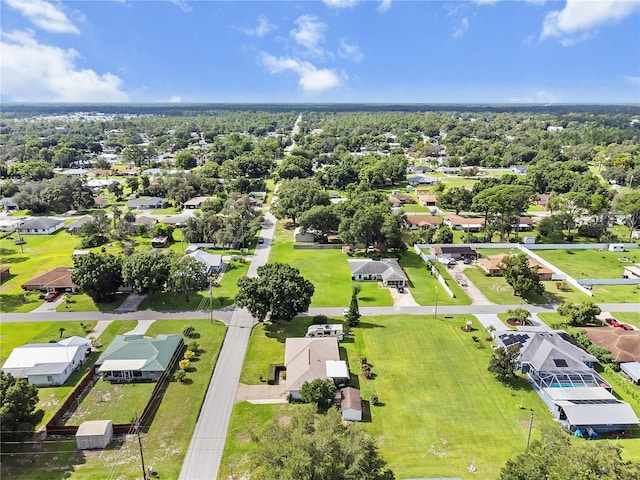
<point>147,203</point>
<point>387,270</point>
<point>136,357</point>
<point>40,226</point>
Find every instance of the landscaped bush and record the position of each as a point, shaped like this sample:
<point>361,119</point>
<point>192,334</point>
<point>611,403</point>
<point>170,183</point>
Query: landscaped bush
<point>180,375</point>
<point>272,376</point>
<point>320,319</point>
<point>189,355</point>
<point>184,364</point>
<point>373,399</point>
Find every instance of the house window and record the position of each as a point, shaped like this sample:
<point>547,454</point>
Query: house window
<point>137,373</point>
<point>49,378</point>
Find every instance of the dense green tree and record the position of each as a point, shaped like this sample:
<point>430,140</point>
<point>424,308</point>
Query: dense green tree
<point>521,315</point>
<point>503,363</point>
<point>99,275</point>
<point>580,314</point>
<point>19,414</point>
<point>458,199</point>
<point>522,278</point>
<point>279,290</point>
<point>554,456</point>
<point>316,447</point>
<point>186,160</point>
<point>146,272</point>
<point>319,391</point>
<point>628,205</point>
<point>296,197</point>
<point>443,234</point>
<point>188,274</point>
<point>322,219</point>
<point>353,315</point>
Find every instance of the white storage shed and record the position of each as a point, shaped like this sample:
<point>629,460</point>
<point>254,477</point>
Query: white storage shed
<point>94,434</point>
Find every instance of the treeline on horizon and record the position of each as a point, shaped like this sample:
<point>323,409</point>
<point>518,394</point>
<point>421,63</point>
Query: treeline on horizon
<point>11,110</point>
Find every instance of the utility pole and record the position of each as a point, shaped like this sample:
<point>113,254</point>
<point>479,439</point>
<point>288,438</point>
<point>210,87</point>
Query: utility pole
<point>530,427</point>
<point>144,470</point>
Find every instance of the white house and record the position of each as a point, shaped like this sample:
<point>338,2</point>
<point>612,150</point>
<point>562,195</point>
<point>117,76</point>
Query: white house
<point>212,262</point>
<point>421,180</point>
<point>40,226</point>
<point>45,364</point>
<point>387,270</point>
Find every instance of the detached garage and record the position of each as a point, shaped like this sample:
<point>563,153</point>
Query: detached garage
<point>94,434</point>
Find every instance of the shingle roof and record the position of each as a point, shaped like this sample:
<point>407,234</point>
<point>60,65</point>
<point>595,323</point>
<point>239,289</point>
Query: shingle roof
<point>41,223</point>
<point>387,266</point>
<point>156,352</point>
<point>58,277</point>
<point>624,345</point>
<point>305,359</point>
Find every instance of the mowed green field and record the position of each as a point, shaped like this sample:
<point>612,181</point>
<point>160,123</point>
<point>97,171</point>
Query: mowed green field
<point>328,270</point>
<point>590,263</point>
<point>440,410</point>
<point>41,253</point>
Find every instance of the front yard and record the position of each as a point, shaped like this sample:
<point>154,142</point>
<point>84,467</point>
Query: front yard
<point>440,410</point>
<point>590,263</point>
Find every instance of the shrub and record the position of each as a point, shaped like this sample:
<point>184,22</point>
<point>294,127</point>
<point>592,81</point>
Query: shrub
<point>320,319</point>
<point>189,355</point>
<point>180,375</point>
<point>363,360</point>
<point>194,347</point>
<point>184,364</point>
<point>373,399</point>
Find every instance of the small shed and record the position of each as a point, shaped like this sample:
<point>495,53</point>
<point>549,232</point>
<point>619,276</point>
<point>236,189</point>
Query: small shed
<point>529,239</point>
<point>94,434</point>
<point>350,404</point>
<point>298,236</point>
<point>616,247</point>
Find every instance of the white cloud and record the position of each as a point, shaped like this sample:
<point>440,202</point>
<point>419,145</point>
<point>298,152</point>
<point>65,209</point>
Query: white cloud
<point>261,29</point>
<point>340,3</point>
<point>350,51</point>
<point>384,6</point>
<point>184,6</point>
<point>631,80</point>
<point>460,30</point>
<point>486,2</point>
<point>580,16</point>
<point>311,79</point>
<point>44,15</point>
<point>540,96</point>
<point>36,72</point>
<point>175,99</point>
<point>309,33</point>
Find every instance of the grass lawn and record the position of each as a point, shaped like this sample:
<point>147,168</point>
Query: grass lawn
<point>81,302</point>
<point>165,443</point>
<point>116,402</point>
<point>440,409</point>
<point>590,263</point>
<point>328,270</point>
<point>41,253</point>
<point>423,284</point>
<point>497,290</point>
<point>223,294</point>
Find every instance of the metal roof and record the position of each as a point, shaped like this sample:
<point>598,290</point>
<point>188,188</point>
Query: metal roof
<point>155,352</point>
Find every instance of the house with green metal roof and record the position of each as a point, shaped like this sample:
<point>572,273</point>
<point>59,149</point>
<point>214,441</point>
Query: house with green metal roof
<point>132,358</point>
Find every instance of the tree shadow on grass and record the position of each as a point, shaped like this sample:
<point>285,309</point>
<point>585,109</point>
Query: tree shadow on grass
<point>518,383</point>
<point>14,259</point>
<point>369,325</point>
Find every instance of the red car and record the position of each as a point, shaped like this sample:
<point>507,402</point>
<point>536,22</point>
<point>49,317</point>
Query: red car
<point>626,326</point>
<point>51,296</point>
<point>612,321</point>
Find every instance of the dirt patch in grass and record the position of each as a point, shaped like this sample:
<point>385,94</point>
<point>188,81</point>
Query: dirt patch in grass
<point>284,420</point>
<point>243,437</point>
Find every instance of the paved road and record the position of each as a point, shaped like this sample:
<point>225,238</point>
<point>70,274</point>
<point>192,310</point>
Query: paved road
<point>227,314</point>
<point>207,444</point>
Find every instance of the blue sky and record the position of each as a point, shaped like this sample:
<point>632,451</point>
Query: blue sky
<point>381,51</point>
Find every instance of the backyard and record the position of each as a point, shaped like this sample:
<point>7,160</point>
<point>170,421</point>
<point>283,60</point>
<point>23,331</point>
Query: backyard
<point>164,444</point>
<point>440,410</point>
